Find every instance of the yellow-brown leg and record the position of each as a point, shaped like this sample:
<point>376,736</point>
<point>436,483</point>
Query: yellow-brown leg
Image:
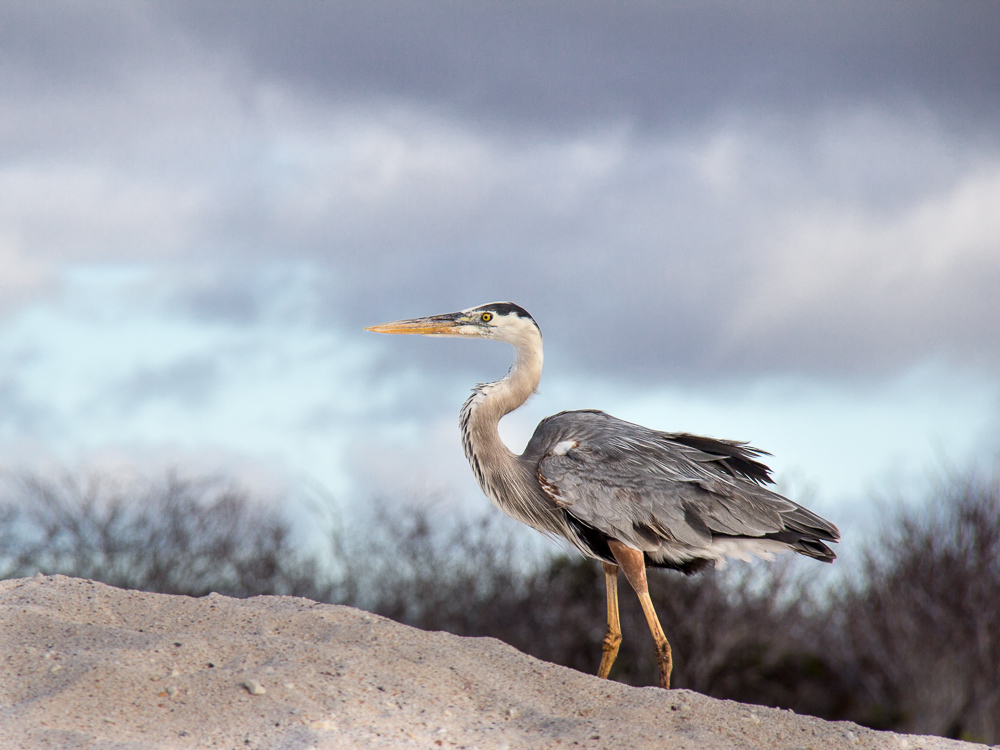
<point>634,566</point>
<point>613,635</point>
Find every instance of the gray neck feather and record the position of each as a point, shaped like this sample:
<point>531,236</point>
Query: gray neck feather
<point>507,480</point>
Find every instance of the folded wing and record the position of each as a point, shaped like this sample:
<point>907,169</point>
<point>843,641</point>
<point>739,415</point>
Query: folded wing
<point>679,498</point>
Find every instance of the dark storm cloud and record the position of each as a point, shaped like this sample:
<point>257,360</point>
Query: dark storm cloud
<point>542,63</point>
<point>569,64</point>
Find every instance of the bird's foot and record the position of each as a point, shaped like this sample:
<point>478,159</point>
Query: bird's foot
<point>664,661</point>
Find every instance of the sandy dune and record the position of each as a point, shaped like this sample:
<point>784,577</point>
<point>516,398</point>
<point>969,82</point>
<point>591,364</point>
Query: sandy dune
<point>87,665</point>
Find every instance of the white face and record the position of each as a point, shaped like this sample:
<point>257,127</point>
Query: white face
<point>489,322</point>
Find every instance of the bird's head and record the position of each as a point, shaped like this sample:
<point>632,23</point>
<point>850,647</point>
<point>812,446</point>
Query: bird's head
<point>501,321</point>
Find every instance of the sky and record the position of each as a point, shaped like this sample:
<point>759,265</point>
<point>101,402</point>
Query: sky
<point>774,222</point>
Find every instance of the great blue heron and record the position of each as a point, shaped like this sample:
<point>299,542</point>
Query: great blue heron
<point>624,494</point>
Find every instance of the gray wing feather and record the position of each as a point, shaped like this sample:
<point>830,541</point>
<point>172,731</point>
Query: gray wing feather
<point>645,487</point>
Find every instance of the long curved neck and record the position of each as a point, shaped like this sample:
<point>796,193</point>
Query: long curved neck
<point>502,476</point>
<point>490,402</point>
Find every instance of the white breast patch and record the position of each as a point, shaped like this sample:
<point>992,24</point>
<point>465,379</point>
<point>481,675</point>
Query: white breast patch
<point>562,448</point>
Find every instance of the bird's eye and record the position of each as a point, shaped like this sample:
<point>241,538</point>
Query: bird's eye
<point>487,317</point>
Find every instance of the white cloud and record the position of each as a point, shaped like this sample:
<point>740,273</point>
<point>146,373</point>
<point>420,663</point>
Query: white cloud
<point>68,212</point>
<point>916,279</point>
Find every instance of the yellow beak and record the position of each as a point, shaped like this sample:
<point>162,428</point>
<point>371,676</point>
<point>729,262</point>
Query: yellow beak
<point>430,326</point>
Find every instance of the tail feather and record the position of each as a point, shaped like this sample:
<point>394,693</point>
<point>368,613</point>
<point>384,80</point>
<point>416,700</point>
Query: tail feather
<point>805,544</point>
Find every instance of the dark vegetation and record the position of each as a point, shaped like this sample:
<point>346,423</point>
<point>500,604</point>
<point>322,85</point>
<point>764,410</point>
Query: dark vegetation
<point>904,636</point>
<point>173,537</point>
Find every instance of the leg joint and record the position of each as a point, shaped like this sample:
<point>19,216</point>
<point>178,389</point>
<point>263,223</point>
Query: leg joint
<point>612,640</point>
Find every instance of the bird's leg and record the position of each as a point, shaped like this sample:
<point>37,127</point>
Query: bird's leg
<point>634,567</point>
<point>613,635</point>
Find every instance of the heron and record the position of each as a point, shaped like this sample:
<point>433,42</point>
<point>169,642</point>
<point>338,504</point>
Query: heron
<point>627,495</point>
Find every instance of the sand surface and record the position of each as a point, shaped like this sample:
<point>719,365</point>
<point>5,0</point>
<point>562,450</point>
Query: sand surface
<point>87,665</point>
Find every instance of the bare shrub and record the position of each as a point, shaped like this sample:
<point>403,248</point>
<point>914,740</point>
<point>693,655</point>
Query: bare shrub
<point>457,574</point>
<point>176,537</point>
<point>920,625</point>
